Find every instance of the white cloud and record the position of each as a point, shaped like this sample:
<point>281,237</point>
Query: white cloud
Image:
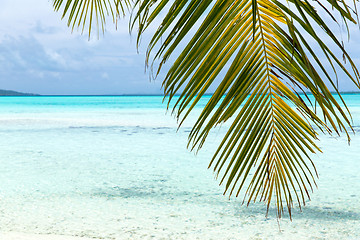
<point>56,57</point>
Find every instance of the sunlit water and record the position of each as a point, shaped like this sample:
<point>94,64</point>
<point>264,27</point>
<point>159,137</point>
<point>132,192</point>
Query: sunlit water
<point>117,168</point>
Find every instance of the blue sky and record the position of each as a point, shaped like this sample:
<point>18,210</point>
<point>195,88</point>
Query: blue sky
<point>39,54</point>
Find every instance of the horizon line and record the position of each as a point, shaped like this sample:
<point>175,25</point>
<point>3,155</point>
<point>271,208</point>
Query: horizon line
<point>132,95</point>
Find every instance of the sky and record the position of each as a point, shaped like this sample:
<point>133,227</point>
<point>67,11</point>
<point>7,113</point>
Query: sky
<point>39,54</point>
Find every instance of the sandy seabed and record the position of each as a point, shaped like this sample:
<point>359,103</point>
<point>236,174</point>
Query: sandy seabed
<point>26,236</point>
<point>100,173</point>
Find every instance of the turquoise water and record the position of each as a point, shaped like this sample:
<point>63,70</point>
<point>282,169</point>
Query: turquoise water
<point>117,168</point>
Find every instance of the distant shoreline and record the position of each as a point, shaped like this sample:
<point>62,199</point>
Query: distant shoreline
<point>15,93</point>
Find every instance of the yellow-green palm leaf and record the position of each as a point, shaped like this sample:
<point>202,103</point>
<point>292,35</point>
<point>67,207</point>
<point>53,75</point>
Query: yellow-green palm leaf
<point>258,56</point>
<point>255,48</point>
<point>82,13</point>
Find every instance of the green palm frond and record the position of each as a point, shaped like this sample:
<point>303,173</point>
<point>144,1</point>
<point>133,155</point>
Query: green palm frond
<point>82,13</point>
<point>265,58</point>
<point>259,49</point>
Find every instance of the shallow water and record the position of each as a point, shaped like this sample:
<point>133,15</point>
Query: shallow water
<point>116,168</point>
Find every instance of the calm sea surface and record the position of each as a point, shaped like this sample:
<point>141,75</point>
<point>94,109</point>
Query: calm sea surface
<point>117,168</point>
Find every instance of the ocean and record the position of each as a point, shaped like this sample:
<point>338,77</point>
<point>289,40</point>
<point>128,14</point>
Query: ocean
<point>117,167</point>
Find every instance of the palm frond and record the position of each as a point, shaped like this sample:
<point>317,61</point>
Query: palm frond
<point>82,13</point>
<point>258,50</point>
